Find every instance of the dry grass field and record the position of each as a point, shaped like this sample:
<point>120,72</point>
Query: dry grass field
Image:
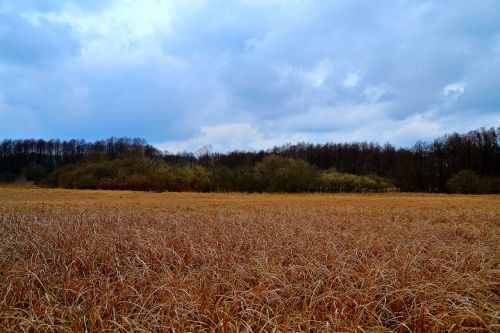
<point>81,261</point>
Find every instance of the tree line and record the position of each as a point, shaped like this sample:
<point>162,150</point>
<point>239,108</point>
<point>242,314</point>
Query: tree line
<point>272,174</point>
<point>468,163</point>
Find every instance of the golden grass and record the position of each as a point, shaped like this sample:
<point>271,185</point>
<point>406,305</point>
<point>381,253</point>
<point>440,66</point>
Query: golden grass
<point>94,261</point>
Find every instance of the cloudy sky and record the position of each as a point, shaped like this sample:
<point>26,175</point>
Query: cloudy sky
<point>248,74</point>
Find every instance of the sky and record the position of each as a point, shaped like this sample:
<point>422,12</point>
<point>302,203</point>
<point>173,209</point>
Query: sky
<point>248,74</point>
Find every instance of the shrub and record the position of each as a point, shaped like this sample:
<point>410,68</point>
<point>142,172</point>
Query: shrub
<point>469,182</point>
<point>333,181</point>
<point>162,178</point>
<point>7,177</point>
<point>280,174</point>
<point>272,174</point>
<point>34,172</point>
<point>200,179</point>
<point>492,184</point>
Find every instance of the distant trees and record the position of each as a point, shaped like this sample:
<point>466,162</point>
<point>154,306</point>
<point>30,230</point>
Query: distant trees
<point>35,159</point>
<point>124,162</point>
<point>273,174</point>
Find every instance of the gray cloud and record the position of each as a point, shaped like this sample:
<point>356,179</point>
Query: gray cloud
<point>34,44</point>
<point>189,73</point>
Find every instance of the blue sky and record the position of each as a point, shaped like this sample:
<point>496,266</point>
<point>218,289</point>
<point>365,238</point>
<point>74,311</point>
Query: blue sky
<point>248,74</point>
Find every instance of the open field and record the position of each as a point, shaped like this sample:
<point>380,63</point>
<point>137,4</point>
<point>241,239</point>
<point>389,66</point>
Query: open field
<point>128,261</point>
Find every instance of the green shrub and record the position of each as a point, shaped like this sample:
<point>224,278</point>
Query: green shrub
<point>162,178</point>
<point>333,181</point>
<point>272,174</point>
<point>200,179</point>
<point>280,174</point>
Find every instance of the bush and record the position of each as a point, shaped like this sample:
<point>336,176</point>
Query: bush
<point>162,178</point>
<point>247,180</point>
<point>469,182</point>
<point>34,172</point>
<point>200,179</point>
<point>7,177</point>
<point>333,181</point>
<point>62,177</point>
<point>224,179</point>
<point>82,180</point>
<point>280,174</point>
<point>272,174</point>
<point>492,184</point>
<point>132,182</point>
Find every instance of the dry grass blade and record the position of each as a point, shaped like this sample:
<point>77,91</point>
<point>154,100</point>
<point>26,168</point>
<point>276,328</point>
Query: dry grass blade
<point>122,261</point>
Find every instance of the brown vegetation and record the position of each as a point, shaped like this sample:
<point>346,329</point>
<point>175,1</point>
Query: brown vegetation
<point>127,261</point>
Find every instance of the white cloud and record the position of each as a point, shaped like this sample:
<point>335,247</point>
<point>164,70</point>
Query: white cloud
<point>236,136</point>
<point>422,126</point>
<point>126,29</point>
<point>453,91</point>
<point>314,77</point>
<point>365,122</point>
<point>376,92</point>
<point>318,75</point>
<point>221,137</point>
<point>351,80</point>
<point>324,118</point>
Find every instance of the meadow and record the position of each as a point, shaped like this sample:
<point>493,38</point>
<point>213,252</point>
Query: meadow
<point>83,261</point>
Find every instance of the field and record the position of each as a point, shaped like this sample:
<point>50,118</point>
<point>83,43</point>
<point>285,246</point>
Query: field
<point>81,261</point>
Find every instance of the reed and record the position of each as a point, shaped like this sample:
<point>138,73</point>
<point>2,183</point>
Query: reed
<point>83,261</point>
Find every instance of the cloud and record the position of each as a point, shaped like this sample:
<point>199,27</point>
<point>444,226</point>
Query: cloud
<point>222,137</point>
<point>31,44</point>
<point>245,74</point>
<point>318,75</point>
<point>351,80</point>
<point>374,128</point>
<point>453,91</point>
<point>375,93</point>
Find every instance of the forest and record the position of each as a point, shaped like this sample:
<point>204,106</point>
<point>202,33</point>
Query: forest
<point>453,163</point>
